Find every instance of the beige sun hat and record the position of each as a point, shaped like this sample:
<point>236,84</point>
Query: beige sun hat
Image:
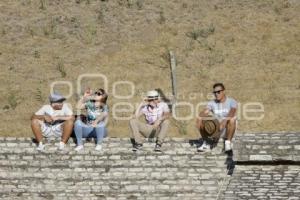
<point>153,94</point>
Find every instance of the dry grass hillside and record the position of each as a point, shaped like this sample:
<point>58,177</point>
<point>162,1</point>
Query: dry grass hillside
<point>253,46</point>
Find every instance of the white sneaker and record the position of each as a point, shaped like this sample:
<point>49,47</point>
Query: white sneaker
<point>40,147</point>
<point>78,148</point>
<point>204,147</point>
<point>61,146</point>
<point>227,145</point>
<point>98,147</point>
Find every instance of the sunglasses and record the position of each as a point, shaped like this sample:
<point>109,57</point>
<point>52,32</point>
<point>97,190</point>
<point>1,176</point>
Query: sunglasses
<point>217,92</point>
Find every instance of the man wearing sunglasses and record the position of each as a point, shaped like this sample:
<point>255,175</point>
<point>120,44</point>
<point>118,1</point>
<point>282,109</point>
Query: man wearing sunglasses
<point>156,114</point>
<point>223,109</point>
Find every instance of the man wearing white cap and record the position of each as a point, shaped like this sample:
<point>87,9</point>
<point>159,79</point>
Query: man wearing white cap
<point>156,114</point>
<point>55,119</point>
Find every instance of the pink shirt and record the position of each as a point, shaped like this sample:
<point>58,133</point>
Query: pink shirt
<point>156,113</point>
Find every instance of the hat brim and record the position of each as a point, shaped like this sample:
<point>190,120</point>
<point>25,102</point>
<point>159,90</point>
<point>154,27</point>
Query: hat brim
<point>152,97</point>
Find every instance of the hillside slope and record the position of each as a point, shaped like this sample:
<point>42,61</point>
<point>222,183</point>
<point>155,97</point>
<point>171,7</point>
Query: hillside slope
<point>251,46</point>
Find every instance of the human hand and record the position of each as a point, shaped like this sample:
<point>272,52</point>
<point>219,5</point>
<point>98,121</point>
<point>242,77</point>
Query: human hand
<point>87,92</point>
<point>54,118</point>
<point>156,124</point>
<point>94,123</point>
<point>48,119</point>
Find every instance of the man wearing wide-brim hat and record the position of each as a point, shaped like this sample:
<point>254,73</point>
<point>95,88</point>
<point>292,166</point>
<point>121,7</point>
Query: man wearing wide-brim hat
<point>53,120</point>
<point>156,113</point>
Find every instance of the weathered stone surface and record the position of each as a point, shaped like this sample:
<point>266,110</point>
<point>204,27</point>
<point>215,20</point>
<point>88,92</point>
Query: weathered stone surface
<point>267,146</point>
<point>180,172</point>
<point>264,182</point>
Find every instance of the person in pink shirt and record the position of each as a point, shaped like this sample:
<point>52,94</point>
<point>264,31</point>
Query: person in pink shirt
<point>156,113</point>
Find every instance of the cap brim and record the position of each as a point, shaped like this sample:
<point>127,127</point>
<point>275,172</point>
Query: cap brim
<point>58,100</point>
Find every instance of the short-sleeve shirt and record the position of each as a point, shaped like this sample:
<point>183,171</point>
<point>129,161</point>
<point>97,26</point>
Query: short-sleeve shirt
<point>153,114</point>
<point>48,110</point>
<point>93,112</point>
<point>221,110</point>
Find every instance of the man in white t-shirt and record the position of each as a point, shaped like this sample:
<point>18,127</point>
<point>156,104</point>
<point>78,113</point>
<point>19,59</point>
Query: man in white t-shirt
<point>223,109</point>
<point>55,119</point>
<point>156,114</point>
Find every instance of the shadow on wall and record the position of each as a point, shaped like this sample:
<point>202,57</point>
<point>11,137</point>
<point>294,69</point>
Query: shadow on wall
<point>229,162</point>
<point>164,97</point>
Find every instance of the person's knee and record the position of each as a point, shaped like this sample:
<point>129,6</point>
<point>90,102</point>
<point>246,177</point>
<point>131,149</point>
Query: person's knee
<point>132,121</point>
<point>69,121</point>
<point>73,119</point>
<point>166,122</point>
<point>232,121</point>
<point>35,122</point>
<point>100,127</point>
<point>199,119</point>
<point>78,123</point>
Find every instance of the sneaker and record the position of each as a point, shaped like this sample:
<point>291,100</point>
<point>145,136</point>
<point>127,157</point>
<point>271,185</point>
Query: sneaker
<point>61,146</point>
<point>137,147</point>
<point>78,148</point>
<point>227,146</point>
<point>40,147</point>
<point>98,147</point>
<point>204,147</point>
<point>157,147</point>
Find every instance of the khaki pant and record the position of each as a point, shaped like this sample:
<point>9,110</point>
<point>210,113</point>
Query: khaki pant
<point>141,130</point>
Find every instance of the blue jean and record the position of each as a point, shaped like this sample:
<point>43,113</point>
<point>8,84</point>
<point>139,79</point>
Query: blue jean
<point>83,130</point>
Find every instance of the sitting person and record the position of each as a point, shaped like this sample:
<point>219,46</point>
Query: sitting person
<point>223,109</point>
<point>55,119</point>
<point>93,124</point>
<point>156,114</point>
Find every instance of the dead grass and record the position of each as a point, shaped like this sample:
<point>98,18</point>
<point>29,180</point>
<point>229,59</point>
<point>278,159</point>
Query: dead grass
<point>251,46</point>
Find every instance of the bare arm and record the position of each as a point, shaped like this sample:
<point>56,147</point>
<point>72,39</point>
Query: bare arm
<point>231,113</point>
<point>165,116</point>
<point>81,104</point>
<point>39,117</point>
<point>101,117</point>
<point>49,118</point>
<point>86,96</point>
<point>46,118</point>
<point>204,112</point>
<point>138,111</point>
<point>63,117</point>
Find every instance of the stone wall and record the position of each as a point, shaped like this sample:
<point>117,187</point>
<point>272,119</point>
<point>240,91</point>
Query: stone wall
<point>179,172</point>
